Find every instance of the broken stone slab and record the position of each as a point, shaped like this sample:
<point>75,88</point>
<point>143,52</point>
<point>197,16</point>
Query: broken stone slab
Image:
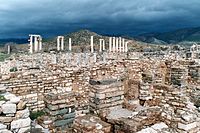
<point>23,130</point>
<point>9,108</point>
<point>68,116</point>
<point>187,127</point>
<point>159,126</point>
<point>188,117</point>
<point>8,96</point>
<point>148,130</point>
<point>15,100</point>
<point>21,105</point>
<point>6,119</point>
<point>2,88</point>
<point>2,126</point>
<point>5,131</point>
<point>23,114</point>
<point>1,103</point>
<point>63,122</point>
<point>20,123</point>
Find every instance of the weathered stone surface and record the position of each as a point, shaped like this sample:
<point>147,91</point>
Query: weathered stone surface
<point>23,114</point>
<point>2,102</point>
<point>15,100</point>
<point>22,130</point>
<point>2,88</point>
<point>187,127</point>
<point>6,119</point>
<point>20,123</point>
<point>159,126</point>
<point>5,131</point>
<point>188,117</point>
<point>2,126</point>
<point>9,96</point>
<point>9,108</point>
<point>63,122</point>
<point>148,130</point>
<point>21,105</point>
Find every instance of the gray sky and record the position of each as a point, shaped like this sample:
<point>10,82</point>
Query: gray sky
<point>49,18</point>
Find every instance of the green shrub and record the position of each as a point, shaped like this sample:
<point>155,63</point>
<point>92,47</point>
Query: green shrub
<point>35,115</point>
<point>3,57</point>
<point>14,69</point>
<point>2,98</point>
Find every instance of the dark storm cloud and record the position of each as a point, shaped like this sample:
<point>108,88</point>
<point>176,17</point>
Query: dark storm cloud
<point>18,18</point>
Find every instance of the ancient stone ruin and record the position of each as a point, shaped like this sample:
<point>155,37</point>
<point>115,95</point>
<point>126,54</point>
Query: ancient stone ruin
<point>109,90</point>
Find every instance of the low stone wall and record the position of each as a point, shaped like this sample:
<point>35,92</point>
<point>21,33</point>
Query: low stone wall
<point>14,116</point>
<point>60,111</point>
<point>105,94</point>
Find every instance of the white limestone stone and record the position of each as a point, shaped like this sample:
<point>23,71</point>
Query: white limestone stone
<point>2,87</point>
<point>1,103</point>
<point>15,100</point>
<point>187,127</point>
<point>98,126</point>
<point>9,96</point>
<point>21,123</point>
<point>23,113</point>
<point>2,126</point>
<point>159,126</point>
<point>187,117</point>
<point>5,131</point>
<point>22,130</point>
<point>148,130</point>
<point>9,108</point>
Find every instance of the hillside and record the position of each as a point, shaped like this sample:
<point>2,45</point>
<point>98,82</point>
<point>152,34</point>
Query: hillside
<point>177,36</point>
<point>81,43</point>
<point>14,40</point>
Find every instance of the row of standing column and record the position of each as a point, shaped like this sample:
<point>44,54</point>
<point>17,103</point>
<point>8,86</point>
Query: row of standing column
<point>35,43</point>
<point>115,44</point>
<point>60,43</point>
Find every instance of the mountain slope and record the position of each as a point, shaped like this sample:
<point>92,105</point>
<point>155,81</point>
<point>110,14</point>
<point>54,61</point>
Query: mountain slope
<point>14,40</point>
<point>187,34</point>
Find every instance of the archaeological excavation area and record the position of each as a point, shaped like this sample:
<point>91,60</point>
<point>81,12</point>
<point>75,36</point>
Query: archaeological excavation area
<point>109,90</point>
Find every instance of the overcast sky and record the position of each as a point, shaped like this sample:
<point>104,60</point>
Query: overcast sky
<point>49,18</point>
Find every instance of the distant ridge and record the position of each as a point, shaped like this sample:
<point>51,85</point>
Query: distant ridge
<point>13,40</point>
<point>177,36</point>
<point>82,37</point>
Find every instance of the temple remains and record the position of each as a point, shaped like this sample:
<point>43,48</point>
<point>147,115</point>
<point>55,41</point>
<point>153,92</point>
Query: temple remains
<point>105,90</point>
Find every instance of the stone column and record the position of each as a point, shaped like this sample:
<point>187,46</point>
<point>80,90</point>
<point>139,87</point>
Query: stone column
<point>114,44</point>
<point>70,44</point>
<point>36,43</point>
<point>92,44</point>
<point>100,45</point>
<point>104,57</point>
<point>126,47</point>
<point>110,44</point>
<point>117,44</point>
<point>120,44</point>
<point>31,44</point>
<point>104,45</point>
<point>95,57</point>
<point>54,59</point>
<point>40,43</point>
<point>8,48</point>
<point>123,45</point>
<point>58,43</point>
<point>62,43</point>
